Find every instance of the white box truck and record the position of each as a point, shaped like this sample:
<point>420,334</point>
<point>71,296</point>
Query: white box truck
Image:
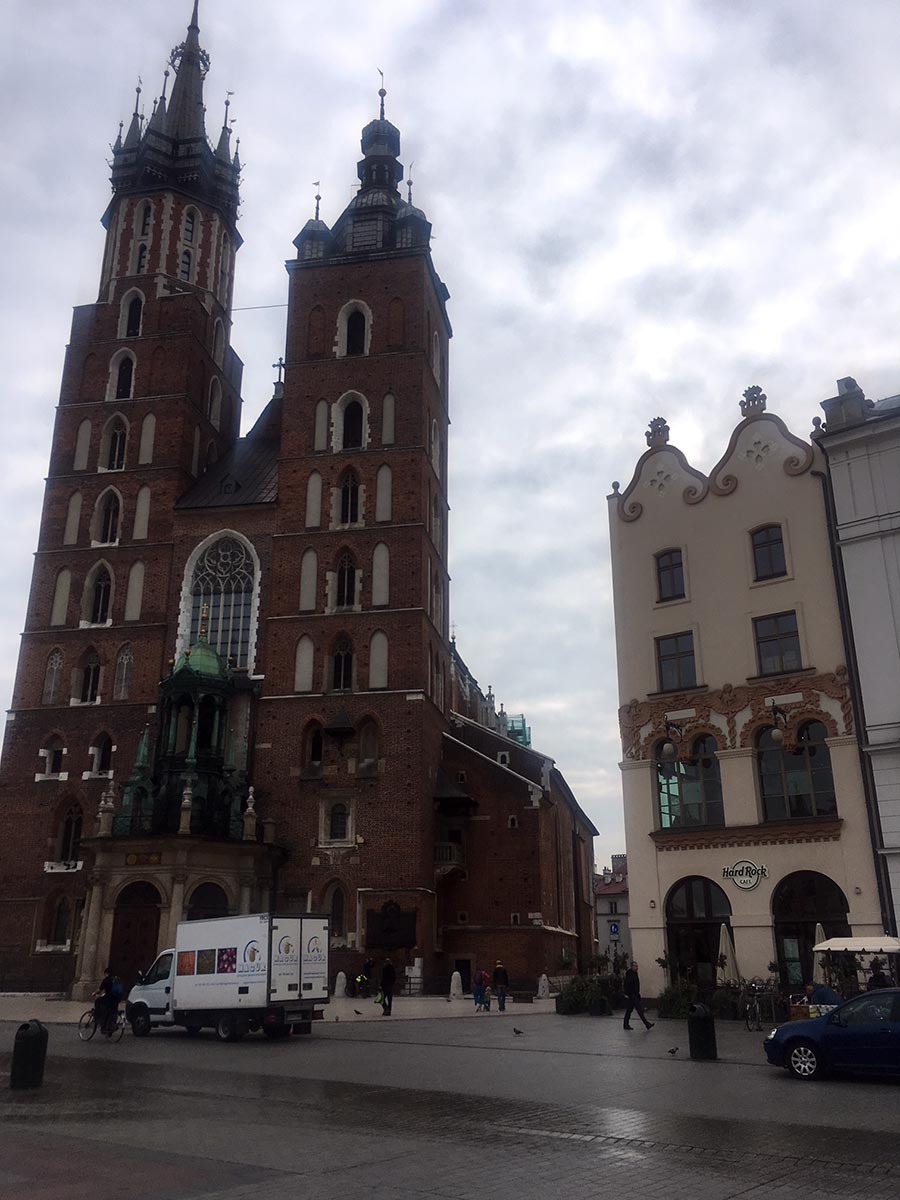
<point>236,975</point>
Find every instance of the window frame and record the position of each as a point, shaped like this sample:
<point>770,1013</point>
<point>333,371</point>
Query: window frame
<point>820,803</point>
<point>778,638</point>
<point>665,658</point>
<point>765,549</point>
<point>669,568</point>
<point>685,786</point>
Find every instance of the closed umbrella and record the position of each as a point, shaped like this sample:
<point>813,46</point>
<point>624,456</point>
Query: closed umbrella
<point>729,973</point>
<point>818,975</point>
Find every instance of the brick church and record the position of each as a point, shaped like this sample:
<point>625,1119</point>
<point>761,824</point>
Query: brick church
<point>236,690</point>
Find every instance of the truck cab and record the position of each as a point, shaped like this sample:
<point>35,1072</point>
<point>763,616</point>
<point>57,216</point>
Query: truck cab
<point>149,1002</point>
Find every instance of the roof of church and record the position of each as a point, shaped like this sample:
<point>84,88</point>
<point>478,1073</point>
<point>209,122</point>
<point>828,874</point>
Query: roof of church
<point>247,474</point>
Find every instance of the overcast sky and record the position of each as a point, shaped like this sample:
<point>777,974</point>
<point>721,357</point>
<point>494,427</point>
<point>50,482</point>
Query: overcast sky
<point>639,209</point>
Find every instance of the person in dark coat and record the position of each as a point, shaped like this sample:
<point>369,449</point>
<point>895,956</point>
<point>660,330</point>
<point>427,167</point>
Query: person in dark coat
<point>877,979</point>
<point>499,984</point>
<point>388,979</point>
<point>632,989</point>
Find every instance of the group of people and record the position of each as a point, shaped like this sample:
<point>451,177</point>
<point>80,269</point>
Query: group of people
<point>822,993</point>
<point>485,987</point>
<point>385,994</point>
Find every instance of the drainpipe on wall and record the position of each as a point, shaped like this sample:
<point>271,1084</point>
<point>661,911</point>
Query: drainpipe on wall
<point>865,760</point>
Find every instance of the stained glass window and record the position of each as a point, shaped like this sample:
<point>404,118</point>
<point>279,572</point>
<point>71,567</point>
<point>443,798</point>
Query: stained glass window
<point>223,583</point>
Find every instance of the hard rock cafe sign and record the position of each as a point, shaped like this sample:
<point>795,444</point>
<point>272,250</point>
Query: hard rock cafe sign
<point>745,874</point>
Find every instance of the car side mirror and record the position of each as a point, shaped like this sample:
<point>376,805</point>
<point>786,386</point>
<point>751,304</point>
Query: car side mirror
<point>140,976</point>
<point>835,1019</point>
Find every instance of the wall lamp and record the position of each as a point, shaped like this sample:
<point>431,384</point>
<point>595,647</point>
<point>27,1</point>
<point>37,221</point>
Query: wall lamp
<point>779,724</point>
<point>669,751</point>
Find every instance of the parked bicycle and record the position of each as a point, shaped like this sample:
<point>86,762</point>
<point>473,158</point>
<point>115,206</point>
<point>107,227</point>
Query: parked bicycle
<point>753,1012</point>
<point>91,1021</point>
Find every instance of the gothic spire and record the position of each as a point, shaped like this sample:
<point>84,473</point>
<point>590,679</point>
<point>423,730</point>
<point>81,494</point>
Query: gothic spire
<point>223,150</point>
<point>133,136</point>
<point>185,120</point>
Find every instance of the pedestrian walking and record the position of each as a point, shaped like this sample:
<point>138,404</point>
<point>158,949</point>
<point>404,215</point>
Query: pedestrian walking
<point>632,989</point>
<point>479,982</point>
<point>388,979</point>
<point>500,983</point>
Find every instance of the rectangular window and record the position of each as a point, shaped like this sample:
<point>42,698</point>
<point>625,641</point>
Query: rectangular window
<point>768,553</point>
<point>675,662</point>
<point>669,575</point>
<point>777,643</point>
<point>613,907</point>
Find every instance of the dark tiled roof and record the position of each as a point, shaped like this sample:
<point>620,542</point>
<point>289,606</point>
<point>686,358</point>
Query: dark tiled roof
<point>248,474</point>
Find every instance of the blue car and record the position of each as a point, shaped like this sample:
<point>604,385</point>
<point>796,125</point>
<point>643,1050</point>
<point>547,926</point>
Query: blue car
<point>863,1034</point>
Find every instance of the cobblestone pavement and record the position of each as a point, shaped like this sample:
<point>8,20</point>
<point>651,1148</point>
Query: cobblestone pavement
<point>570,1107</point>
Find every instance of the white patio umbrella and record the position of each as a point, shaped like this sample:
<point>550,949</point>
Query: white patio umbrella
<point>729,973</point>
<point>818,975</point>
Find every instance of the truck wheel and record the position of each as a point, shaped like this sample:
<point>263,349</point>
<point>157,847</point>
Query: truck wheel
<point>140,1023</point>
<point>228,1028</point>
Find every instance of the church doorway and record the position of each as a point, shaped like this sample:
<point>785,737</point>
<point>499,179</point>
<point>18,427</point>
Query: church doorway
<point>800,902</point>
<point>135,934</point>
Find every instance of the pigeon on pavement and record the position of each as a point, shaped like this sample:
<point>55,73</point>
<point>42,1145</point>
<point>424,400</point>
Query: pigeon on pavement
<point>358,1013</point>
<point>674,1051</point>
<point>517,1032</point>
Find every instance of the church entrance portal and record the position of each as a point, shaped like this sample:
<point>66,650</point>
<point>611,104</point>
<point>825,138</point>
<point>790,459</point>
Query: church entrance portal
<point>135,932</point>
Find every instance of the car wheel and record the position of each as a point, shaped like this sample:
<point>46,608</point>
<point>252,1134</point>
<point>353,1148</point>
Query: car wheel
<point>804,1061</point>
<point>140,1023</point>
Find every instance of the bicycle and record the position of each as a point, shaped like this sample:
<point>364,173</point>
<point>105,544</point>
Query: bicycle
<point>89,1023</point>
<point>753,1012</point>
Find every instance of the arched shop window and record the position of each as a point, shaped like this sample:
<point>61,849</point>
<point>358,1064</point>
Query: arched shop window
<point>800,902</point>
<point>696,910</point>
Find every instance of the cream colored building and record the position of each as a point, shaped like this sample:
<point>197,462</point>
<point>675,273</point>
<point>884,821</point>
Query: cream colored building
<point>744,798</point>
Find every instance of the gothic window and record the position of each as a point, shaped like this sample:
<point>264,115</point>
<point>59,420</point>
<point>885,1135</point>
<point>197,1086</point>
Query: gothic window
<point>223,581</point>
<point>342,666</point>
<point>99,596</point>
<point>436,524</point>
<point>141,514</point>
<point>73,520</point>
<point>52,677</point>
<point>338,928</point>
<point>353,426</point>
<point>184,267</point>
<point>133,321</point>
<point>103,749</point>
<point>346,582</point>
<point>436,449</point>
<point>108,531</point>
<point>219,343</point>
<point>82,446</point>
<point>314,501</point>
<point>689,791</point>
<point>313,745</point>
<point>53,762</point>
<point>368,743</point>
<point>90,678</point>
<point>70,836</point>
<point>124,378</point>
<point>381,575</point>
<point>303,665</point>
<point>349,499</point>
<point>141,265</point>
<point>320,432</point>
<point>116,440</point>
<point>148,437</point>
<point>134,595</point>
<point>436,356</point>
<point>388,408</point>
<point>356,333</point>
<point>223,270</point>
<point>189,221</point>
<point>59,926</point>
<point>383,499</point>
<point>146,217</point>
<point>338,821</point>
<point>60,609</point>
<point>796,782</point>
<point>309,567</point>
<point>378,660</point>
<point>124,667</point>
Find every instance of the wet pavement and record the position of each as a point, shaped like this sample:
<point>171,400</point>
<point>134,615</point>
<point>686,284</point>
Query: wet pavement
<point>452,1108</point>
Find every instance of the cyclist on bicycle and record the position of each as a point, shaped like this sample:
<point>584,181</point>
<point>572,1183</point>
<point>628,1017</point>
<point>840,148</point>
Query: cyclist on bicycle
<point>106,1001</point>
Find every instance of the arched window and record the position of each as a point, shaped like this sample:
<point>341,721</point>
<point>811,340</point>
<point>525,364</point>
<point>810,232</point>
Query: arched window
<point>378,661</point>
<point>82,446</point>
<point>141,262</point>
<point>108,526</point>
<point>801,902</point>
<point>103,750</point>
<point>124,378</point>
<point>309,568</point>
<point>224,260</point>
<point>303,665</point>
<point>70,836</point>
<point>338,820</point>
<point>219,343</point>
<point>52,677</point>
<point>73,520</point>
<point>368,743</point>
<point>388,406</point>
<point>689,791</point>
<point>436,524</point>
<point>320,432</point>
<point>116,441</point>
<point>133,321</point>
<point>146,217</point>
<point>189,221</point>
<point>346,582</point>
<point>215,404</point>
<point>223,581</point>
<point>212,456</point>
<point>356,333</point>
<point>207,902</point>
<point>184,266</point>
<point>436,355</point>
<point>99,595</point>
<point>313,745</point>
<point>342,666</point>
<point>148,437</point>
<point>337,925</point>
<point>436,449</point>
<point>696,910</point>
<point>349,499</point>
<point>90,678</point>
<point>60,610</point>
<point>124,667</point>
<point>59,926</point>
<point>381,575</point>
<point>195,453</point>
<point>141,514</point>
<point>383,501</point>
<point>353,426</point>
<point>795,782</point>
<point>134,595</point>
<point>314,501</point>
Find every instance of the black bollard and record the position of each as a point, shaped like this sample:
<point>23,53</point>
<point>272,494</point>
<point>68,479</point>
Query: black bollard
<point>28,1056</point>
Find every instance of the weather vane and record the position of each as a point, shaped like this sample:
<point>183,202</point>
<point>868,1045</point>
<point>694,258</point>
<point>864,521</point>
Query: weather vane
<point>316,185</point>
<point>381,92</point>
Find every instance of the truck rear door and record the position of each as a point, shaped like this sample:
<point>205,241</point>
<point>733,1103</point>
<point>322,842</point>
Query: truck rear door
<point>314,959</point>
<point>284,959</point>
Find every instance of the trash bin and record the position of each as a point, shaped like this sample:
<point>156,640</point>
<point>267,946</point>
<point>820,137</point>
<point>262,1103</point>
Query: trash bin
<point>702,1033</point>
<point>28,1056</point>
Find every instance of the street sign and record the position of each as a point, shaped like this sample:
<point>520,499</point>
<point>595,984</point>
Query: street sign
<point>614,929</point>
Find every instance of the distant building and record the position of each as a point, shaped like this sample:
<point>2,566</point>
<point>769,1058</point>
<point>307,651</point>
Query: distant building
<point>861,441</point>
<point>611,907</point>
<point>745,808</point>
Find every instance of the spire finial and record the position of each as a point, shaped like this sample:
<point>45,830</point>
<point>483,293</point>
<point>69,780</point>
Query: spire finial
<point>165,83</point>
<point>316,185</point>
<point>137,96</point>
<point>195,19</point>
<point>409,183</point>
<point>381,92</point>
<point>279,367</point>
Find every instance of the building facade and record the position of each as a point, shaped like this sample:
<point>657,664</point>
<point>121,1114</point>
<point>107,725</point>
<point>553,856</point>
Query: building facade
<point>861,442</point>
<point>745,809</point>
<point>235,682</point>
<point>611,908</point>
